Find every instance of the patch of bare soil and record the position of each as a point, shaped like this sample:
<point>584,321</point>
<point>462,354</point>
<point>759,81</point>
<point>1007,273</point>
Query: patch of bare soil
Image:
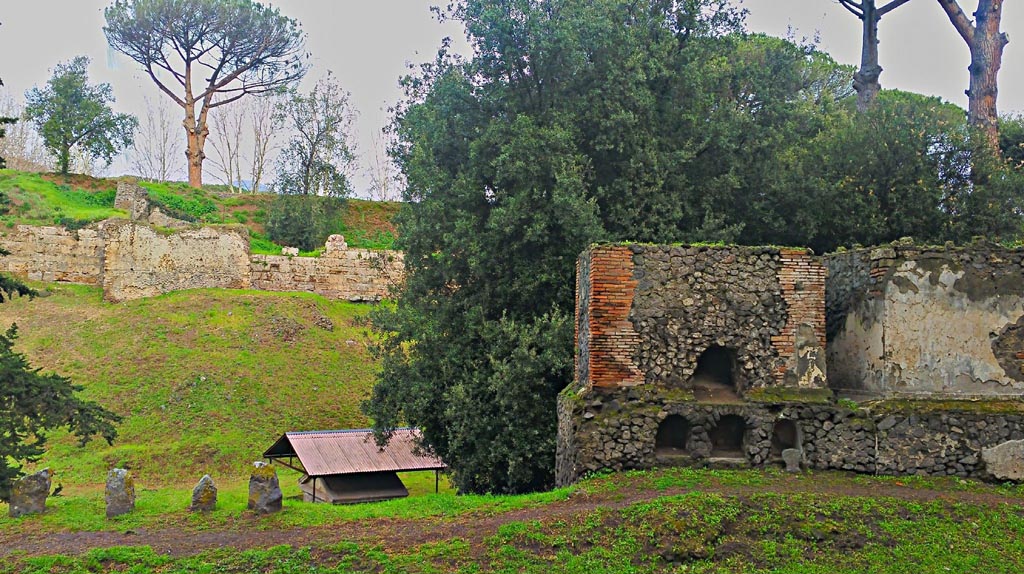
<point>474,528</point>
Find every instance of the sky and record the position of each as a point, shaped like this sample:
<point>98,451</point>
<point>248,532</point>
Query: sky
<point>368,45</point>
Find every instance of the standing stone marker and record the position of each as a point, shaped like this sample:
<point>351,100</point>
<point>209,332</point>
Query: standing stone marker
<point>264,490</point>
<point>204,495</point>
<point>120,495</point>
<point>28,495</point>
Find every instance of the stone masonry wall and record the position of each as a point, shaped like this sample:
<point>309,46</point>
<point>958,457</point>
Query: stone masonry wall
<point>616,430</point>
<point>351,274</point>
<point>927,321</point>
<point>133,259</point>
<point>54,253</point>
<point>141,261</point>
<point>647,313</point>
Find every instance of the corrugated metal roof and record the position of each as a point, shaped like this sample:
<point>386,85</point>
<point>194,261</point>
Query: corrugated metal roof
<point>323,453</point>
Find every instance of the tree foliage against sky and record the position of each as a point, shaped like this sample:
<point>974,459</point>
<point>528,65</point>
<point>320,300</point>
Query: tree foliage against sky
<point>578,121</point>
<point>207,53</point>
<point>70,113</point>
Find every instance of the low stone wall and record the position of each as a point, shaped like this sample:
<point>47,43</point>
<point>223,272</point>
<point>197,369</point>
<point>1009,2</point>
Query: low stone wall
<point>351,274</point>
<point>132,259</point>
<point>142,261</point>
<point>54,253</point>
<point>603,430</point>
<point>927,321</point>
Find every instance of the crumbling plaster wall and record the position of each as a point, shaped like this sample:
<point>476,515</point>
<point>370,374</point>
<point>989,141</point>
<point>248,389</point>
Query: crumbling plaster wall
<point>914,321</point>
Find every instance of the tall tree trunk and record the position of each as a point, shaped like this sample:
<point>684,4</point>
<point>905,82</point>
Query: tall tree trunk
<point>986,43</point>
<point>865,81</point>
<point>196,133</point>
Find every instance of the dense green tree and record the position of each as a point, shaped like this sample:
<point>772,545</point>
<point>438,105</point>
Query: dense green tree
<point>208,53</point>
<point>575,121</point>
<point>578,121</point>
<point>71,113</point>
<point>302,221</point>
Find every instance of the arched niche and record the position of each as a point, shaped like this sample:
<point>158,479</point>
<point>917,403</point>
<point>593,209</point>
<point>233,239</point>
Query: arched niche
<point>672,437</point>
<point>715,375</point>
<point>727,437</point>
<point>785,434</point>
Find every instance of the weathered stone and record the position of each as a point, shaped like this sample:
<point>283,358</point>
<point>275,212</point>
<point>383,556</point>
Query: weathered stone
<point>887,423</point>
<point>28,494</point>
<point>204,495</point>
<point>264,490</point>
<point>1005,461</point>
<point>120,492</point>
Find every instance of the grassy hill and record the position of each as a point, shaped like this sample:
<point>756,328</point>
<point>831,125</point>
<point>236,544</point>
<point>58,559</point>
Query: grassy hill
<point>206,380</point>
<point>76,200</point>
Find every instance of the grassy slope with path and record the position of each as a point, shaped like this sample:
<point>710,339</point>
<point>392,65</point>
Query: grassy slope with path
<point>674,520</point>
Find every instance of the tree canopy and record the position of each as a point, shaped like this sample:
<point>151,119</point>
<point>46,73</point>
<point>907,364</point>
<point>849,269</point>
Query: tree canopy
<point>207,52</point>
<point>70,113</point>
<point>660,121</point>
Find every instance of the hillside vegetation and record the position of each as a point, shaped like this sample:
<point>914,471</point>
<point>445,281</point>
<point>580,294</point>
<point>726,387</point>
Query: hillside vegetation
<point>77,200</point>
<point>206,380</point>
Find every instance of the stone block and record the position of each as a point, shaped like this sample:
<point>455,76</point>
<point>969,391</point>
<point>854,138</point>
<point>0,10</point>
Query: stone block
<point>264,489</point>
<point>1005,461</point>
<point>28,495</point>
<point>120,492</point>
<point>204,495</point>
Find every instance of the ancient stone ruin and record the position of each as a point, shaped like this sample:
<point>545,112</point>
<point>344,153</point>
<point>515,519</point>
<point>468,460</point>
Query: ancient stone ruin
<point>151,253</point>
<point>695,355</point>
<point>204,495</point>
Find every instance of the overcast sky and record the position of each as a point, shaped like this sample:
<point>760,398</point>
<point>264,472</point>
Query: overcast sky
<point>368,44</point>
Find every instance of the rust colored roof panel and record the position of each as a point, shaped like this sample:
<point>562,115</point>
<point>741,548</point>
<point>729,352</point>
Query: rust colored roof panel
<point>324,453</point>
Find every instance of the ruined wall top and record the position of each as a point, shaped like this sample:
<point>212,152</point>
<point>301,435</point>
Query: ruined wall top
<point>677,316</point>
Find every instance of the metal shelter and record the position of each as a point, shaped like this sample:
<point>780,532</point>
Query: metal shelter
<point>347,466</point>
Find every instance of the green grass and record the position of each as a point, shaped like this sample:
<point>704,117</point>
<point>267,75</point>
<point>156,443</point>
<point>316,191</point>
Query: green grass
<point>205,380</point>
<point>75,201</point>
<point>702,530</point>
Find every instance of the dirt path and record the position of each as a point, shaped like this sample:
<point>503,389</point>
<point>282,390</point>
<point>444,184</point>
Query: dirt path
<point>473,527</point>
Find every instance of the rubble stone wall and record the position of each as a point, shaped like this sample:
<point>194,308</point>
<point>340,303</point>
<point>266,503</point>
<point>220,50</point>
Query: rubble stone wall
<point>617,429</point>
<point>648,312</point>
<point>351,274</point>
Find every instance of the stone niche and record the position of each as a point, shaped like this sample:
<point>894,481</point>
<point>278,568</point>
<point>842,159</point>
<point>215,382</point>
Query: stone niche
<point>927,322</point>
<point>684,353</point>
